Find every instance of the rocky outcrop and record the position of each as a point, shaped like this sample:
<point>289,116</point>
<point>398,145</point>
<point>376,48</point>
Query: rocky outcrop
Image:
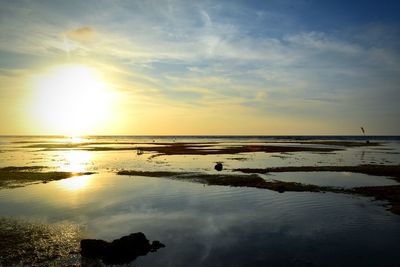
<point>218,166</point>
<point>119,251</point>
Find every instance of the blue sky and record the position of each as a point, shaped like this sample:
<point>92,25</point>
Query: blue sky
<point>214,67</point>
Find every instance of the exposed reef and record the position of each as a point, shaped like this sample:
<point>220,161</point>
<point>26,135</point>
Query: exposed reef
<point>386,193</point>
<point>231,180</point>
<point>11,177</point>
<point>188,148</point>
<point>371,169</point>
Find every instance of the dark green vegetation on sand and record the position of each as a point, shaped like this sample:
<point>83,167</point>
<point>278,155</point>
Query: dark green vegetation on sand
<point>387,193</point>
<point>335,143</point>
<point>371,169</point>
<point>227,180</point>
<point>11,177</point>
<point>184,149</point>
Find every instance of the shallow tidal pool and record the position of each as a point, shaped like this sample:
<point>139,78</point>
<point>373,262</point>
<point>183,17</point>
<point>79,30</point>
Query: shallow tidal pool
<point>215,225</point>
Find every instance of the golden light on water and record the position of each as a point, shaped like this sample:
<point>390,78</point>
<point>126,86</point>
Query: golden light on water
<point>70,100</point>
<point>72,139</point>
<point>76,183</point>
<point>75,161</point>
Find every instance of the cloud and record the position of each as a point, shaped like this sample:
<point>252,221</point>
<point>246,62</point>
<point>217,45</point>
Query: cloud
<point>201,55</point>
<point>82,34</point>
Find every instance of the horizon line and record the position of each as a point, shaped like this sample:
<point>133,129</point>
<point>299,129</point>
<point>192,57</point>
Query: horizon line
<point>197,135</point>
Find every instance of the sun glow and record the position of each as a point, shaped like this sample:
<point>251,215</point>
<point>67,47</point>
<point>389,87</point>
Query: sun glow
<point>70,100</point>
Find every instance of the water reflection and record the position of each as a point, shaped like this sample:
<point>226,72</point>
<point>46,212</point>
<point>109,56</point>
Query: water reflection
<point>219,226</point>
<point>77,183</point>
<point>75,160</point>
<point>75,139</point>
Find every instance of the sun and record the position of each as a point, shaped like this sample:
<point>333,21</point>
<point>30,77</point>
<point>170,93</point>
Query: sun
<point>70,100</point>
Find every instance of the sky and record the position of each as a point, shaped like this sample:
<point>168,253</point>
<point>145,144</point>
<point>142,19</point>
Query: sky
<point>301,67</point>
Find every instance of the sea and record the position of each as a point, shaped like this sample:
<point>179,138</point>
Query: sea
<point>199,224</point>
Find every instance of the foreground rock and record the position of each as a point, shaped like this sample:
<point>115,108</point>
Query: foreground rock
<point>119,251</point>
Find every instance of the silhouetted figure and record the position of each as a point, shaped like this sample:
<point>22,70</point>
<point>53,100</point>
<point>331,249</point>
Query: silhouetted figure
<point>363,131</point>
<point>218,166</point>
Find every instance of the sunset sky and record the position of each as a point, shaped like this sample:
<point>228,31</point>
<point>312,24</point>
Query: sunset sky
<point>199,67</point>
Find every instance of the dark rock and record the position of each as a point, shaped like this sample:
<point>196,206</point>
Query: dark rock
<point>156,245</point>
<point>93,248</point>
<point>119,251</point>
<point>280,188</point>
<point>218,166</point>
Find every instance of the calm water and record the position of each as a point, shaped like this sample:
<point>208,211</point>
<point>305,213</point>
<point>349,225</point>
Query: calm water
<point>212,225</point>
<point>334,179</point>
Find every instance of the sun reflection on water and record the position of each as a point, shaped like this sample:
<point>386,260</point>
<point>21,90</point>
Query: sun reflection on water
<point>77,183</point>
<point>75,139</point>
<point>75,161</point>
